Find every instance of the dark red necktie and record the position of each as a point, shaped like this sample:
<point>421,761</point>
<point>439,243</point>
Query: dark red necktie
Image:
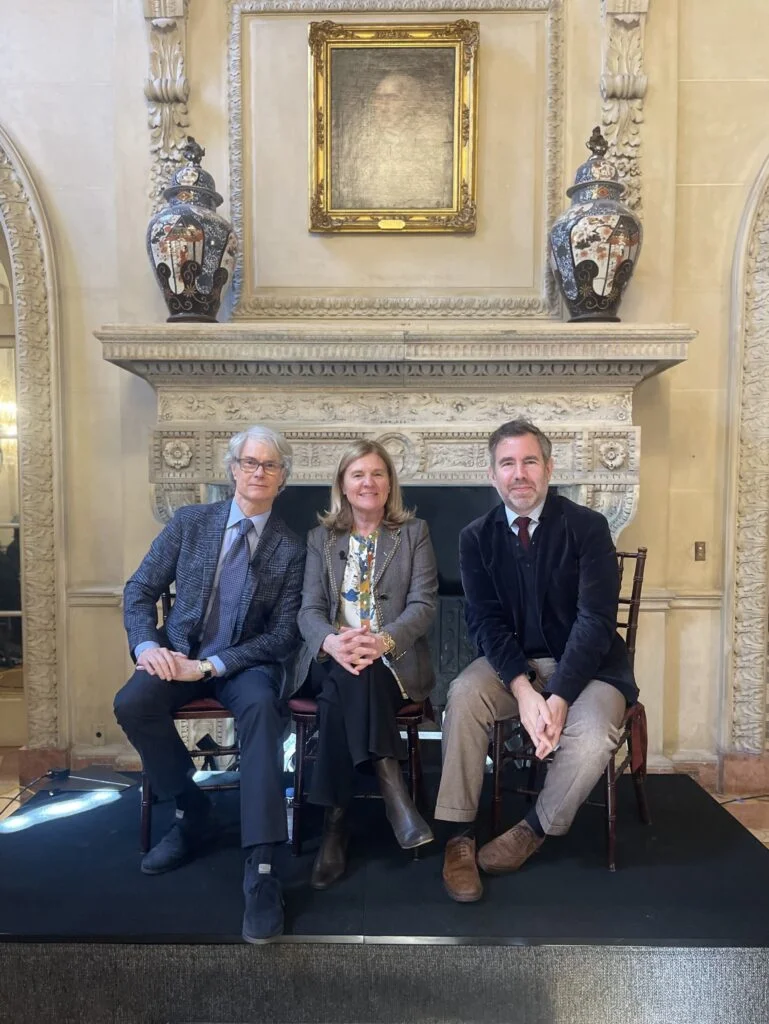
<point>522,522</point>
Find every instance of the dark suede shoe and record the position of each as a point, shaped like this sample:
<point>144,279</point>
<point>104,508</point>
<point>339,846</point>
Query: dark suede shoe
<point>179,845</point>
<point>263,917</point>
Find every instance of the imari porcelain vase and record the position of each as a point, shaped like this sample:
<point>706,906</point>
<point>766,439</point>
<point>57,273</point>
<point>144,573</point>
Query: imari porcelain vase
<point>595,244</point>
<point>191,247</point>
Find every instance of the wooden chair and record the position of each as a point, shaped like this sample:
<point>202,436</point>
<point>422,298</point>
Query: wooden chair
<point>304,712</point>
<point>633,737</point>
<point>205,707</point>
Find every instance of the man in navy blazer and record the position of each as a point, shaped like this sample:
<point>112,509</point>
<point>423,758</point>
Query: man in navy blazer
<point>541,586</point>
<point>238,572</point>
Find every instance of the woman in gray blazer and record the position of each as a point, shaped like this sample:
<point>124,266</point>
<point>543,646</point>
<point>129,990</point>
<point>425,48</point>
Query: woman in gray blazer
<point>369,599</point>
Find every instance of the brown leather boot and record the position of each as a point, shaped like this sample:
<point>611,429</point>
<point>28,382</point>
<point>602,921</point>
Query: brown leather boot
<point>409,826</point>
<point>510,850</point>
<point>331,860</point>
<point>460,874</point>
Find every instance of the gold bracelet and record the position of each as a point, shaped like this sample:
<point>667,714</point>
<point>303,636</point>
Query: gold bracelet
<point>389,643</point>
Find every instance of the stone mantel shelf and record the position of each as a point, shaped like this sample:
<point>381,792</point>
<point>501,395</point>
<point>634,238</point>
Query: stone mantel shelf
<point>462,353</point>
<point>432,392</point>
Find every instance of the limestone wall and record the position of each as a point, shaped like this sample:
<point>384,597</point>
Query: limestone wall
<point>72,80</point>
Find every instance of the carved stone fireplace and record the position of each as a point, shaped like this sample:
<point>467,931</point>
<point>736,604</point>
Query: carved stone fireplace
<point>431,392</point>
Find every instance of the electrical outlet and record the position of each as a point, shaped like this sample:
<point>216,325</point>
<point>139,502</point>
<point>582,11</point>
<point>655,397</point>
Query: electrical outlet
<point>98,735</point>
<point>699,551</point>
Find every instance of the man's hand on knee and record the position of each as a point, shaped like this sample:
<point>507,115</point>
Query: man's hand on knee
<point>549,736</point>
<point>534,712</point>
<point>158,661</point>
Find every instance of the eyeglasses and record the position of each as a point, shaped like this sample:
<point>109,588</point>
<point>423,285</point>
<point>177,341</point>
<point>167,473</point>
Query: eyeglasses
<point>251,466</point>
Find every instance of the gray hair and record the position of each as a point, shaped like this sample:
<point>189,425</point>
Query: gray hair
<point>264,435</point>
<point>519,428</point>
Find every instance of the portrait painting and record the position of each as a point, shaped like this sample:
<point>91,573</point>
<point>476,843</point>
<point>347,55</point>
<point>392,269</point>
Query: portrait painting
<point>393,134</point>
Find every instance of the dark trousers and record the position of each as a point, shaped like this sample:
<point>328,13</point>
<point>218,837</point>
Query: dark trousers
<point>356,725</point>
<point>144,708</point>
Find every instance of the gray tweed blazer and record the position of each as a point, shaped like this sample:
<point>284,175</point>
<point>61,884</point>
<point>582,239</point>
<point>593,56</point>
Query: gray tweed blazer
<point>405,591</point>
<point>187,552</point>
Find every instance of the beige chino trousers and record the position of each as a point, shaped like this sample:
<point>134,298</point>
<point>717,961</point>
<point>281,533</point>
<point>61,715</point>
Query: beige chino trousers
<point>477,699</point>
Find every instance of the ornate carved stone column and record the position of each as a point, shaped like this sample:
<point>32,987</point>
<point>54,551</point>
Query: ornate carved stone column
<point>623,88</point>
<point>167,89</point>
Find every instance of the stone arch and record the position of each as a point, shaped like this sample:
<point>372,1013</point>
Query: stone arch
<point>746,557</point>
<point>26,230</point>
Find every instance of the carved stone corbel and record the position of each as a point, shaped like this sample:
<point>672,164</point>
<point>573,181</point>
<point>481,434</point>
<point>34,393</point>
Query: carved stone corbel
<point>623,88</point>
<point>167,89</point>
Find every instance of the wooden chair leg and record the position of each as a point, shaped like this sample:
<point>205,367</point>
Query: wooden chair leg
<point>611,813</point>
<point>145,821</point>
<point>639,775</point>
<point>297,802</point>
<point>415,762</point>
<point>415,769</point>
<point>496,788</point>
<point>640,794</point>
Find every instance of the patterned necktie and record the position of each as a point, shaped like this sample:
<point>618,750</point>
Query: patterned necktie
<point>220,625</point>
<point>522,522</point>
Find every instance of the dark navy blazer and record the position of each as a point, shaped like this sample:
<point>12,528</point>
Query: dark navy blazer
<point>576,594</point>
<point>187,552</point>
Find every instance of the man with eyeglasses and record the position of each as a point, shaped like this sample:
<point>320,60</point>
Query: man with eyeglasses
<point>238,572</point>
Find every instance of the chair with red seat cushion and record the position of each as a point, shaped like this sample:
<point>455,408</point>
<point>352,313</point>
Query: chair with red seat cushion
<point>633,736</point>
<point>304,713</point>
<point>204,707</point>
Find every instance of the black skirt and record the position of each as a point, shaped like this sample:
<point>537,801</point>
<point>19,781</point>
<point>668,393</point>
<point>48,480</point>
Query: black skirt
<point>356,726</point>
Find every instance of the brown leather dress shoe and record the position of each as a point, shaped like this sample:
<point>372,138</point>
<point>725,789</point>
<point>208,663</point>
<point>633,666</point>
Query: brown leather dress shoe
<point>460,874</point>
<point>510,850</point>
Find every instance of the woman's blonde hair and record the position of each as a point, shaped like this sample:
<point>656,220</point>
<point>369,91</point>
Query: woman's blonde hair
<point>339,516</point>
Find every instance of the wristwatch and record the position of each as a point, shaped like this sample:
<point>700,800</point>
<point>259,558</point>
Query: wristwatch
<point>206,668</point>
<point>389,643</point>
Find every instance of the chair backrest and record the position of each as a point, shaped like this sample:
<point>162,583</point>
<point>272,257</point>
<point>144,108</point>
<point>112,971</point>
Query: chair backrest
<point>629,607</point>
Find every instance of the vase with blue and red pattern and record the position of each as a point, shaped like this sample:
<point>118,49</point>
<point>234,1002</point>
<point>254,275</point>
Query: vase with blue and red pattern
<point>191,247</point>
<point>594,245</point>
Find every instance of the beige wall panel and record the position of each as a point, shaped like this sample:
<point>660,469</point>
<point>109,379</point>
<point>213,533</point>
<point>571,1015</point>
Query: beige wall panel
<point>694,643</point>
<point>505,252</point>
<point>707,218</point>
<point>724,39</point>
<point>583,97</point>
<point>99,665</point>
<point>650,671</point>
<point>58,33</point>
<point>696,441</point>
<point>707,364</point>
<point>92,442</point>
<point>207,29</point>
<point>722,130</point>
<point>649,295</point>
<point>694,515</point>
<point>649,527</point>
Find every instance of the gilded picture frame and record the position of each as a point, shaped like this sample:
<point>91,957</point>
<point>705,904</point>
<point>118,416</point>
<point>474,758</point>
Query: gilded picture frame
<point>393,124</point>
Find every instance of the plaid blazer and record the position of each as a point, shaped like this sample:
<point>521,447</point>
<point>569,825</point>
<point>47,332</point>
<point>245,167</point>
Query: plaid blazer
<point>404,589</point>
<point>187,552</point>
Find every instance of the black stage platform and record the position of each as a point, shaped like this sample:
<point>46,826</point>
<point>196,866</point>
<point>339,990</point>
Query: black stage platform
<point>692,884</point>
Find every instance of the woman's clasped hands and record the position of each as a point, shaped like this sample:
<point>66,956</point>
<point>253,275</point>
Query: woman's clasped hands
<point>354,648</point>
